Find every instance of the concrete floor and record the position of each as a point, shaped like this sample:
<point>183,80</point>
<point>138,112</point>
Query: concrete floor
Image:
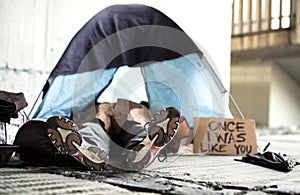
<point>188,174</point>
<point>234,174</point>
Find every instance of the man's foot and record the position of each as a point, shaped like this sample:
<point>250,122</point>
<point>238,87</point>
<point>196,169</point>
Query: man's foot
<point>64,135</point>
<point>144,148</point>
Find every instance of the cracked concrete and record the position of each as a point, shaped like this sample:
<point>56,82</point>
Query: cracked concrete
<point>178,175</point>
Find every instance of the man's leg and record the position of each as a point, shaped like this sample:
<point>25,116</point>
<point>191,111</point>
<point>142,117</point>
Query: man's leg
<point>91,145</point>
<point>142,149</point>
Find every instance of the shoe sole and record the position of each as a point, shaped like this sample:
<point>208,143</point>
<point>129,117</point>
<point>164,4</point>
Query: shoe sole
<point>161,130</point>
<point>63,133</point>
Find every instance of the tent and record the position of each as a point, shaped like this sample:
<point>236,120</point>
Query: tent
<point>138,53</point>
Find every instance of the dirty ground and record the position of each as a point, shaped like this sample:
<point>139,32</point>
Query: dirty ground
<point>178,175</point>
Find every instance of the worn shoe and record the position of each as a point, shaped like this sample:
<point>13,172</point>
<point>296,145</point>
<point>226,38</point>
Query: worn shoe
<point>64,135</point>
<point>159,131</point>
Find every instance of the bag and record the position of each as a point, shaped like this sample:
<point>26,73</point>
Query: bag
<point>12,115</point>
<point>36,147</point>
<point>10,105</point>
<point>271,160</point>
<point>34,142</point>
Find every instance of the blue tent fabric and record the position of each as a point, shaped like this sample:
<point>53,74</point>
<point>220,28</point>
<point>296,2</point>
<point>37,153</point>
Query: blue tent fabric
<point>68,94</point>
<point>135,35</point>
<point>185,84</point>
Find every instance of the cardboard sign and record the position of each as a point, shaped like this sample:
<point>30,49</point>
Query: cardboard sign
<point>224,136</point>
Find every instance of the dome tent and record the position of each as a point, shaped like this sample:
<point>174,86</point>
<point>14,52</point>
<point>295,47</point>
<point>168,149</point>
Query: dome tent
<point>173,69</point>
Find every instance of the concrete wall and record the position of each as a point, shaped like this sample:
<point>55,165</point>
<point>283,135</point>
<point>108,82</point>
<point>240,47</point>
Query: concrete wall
<point>275,56</point>
<point>34,35</point>
<point>262,40</point>
<point>284,99</point>
<point>250,85</point>
<point>266,93</point>
<point>296,35</point>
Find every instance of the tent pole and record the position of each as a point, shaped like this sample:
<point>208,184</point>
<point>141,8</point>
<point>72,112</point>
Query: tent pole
<point>35,102</point>
<point>223,88</point>
<point>236,106</point>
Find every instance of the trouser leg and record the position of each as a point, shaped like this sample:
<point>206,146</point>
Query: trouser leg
<point>93,134</point>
